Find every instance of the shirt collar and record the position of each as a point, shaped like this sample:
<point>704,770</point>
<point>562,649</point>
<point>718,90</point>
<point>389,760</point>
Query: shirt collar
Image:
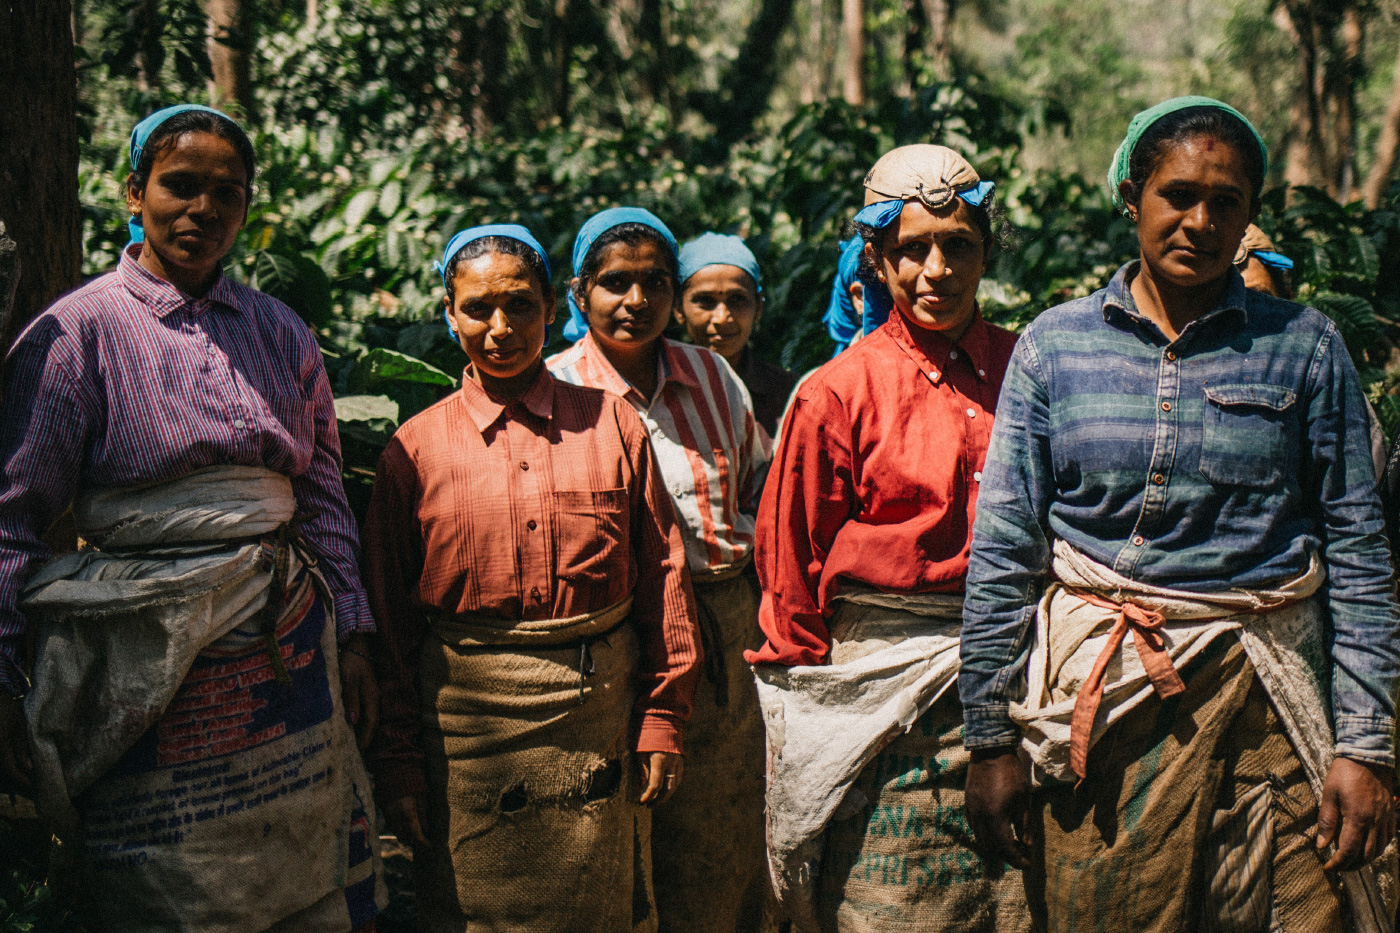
<point>163,297</point>
<point>1118,297</point>
<point>485,409</point>
<point>930,349</point>
<point>670,368</point>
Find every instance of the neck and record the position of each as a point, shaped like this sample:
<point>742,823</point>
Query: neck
<point>735,359</point>
<point>1171,307</point>
<point>636,365</point>
<point>510,388</point>
<point>193,283</point>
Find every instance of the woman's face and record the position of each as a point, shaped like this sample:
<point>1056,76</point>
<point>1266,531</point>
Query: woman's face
<point>629,301</point>
<point>932,261</point>
<point>1193,212</point>
<point>500,313</point>
<point>719,309</point>
<point>194,203</point>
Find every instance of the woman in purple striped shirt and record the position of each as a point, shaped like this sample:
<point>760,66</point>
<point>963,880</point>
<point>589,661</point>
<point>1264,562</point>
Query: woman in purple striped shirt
<point>186,701</point>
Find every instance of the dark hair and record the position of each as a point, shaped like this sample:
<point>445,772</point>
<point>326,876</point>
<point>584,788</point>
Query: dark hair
<point>164,137</point>
<point>505,245</point>
<point>1180,125</point>
<point>985,216</point>
<point>632,234</point>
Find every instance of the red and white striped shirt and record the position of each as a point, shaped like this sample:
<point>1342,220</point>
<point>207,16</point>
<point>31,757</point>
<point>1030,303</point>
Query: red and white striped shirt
<point>707,443</point>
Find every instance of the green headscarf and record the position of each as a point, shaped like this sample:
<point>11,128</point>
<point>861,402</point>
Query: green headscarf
<point>1118,170</point>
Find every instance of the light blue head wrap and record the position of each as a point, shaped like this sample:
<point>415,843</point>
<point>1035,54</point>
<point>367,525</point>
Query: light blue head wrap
<point>597,225</point>
<point>463,237</point>
<point>142,132</point>
<point>840,318</point>
<point>719,249</point>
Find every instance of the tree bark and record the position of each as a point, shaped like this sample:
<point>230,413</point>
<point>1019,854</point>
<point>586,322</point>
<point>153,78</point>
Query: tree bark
<point>1386,147</point>
<point>562,51</point>
<point>747,85</point>
<point>39,155</point>
<point>651,36</point>
<point>150,55</point>
<point>940,22</point>
<point>1343,93</point>
<point>853,28</point>
<point>1306,152</point>
<point>479,58</point>
<point>230,48</point>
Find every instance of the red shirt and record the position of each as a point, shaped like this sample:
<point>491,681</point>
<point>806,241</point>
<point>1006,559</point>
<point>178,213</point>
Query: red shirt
<point>546,507</point>
<point>875,481</point>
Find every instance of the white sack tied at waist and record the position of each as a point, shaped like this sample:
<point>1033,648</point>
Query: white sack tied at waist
<point>1280,628</point>
<point>892,657</point>
<point>118,629</point>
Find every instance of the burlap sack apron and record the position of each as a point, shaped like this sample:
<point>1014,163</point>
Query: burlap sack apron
<point>899,852</point>
<point>532,815</point>
<point>708,857</point>
<point>189,739</point>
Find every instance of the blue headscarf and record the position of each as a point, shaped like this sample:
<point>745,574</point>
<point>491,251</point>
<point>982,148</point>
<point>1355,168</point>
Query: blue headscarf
<point>840,318</point>
<point>463,237</point>
<point>878,300</point>
<point>719,249</point>
<point>142,132</point>
<point>597,225</point>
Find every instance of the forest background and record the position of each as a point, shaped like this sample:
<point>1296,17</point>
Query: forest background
<point>382,126</point>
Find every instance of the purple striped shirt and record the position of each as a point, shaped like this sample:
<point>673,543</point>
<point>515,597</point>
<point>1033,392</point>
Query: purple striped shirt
<point>129,380</point>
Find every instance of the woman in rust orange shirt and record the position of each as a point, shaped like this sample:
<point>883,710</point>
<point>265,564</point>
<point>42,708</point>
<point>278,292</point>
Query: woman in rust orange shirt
<point>862,546</point>
<point>525,566</point>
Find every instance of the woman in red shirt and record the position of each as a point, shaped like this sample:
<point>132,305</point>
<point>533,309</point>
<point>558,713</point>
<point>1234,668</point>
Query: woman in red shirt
<point>537,626</point>
<point>863,537</point>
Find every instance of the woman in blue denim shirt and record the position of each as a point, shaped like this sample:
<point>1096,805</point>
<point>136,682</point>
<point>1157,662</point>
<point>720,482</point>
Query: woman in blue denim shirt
<point>1186,461</point>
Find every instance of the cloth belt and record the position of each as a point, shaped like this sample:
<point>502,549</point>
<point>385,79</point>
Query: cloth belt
<point>711,632</point>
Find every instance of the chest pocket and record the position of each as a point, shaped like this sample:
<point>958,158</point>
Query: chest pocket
<point>1249,435</point>
<point>593,534</point>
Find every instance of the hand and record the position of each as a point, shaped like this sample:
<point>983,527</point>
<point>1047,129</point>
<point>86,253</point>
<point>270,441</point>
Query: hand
<point>1357,811</point>
<point>662,773</point>
<point>998,807</point>
<point>15,762</point>
<point>359,690</point>
<point>404,823</point>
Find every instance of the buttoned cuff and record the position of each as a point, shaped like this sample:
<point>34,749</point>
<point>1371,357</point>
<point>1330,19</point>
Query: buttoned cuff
<point>989,727</point>
<point>352,616</point>
<point>660,732</point>
<point>1368,739</point>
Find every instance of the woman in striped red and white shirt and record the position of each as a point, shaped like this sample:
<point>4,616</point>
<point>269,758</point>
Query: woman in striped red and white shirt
<point>707,842</point>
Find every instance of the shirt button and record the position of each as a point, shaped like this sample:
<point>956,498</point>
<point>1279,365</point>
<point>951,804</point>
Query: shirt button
<point>524,465</point>
<point>1166,406</point>
<point>1158,478</point>
<point>972,413</point>
<point>1138,541</point>
<point>952,354</point>
<point>239,424</point>
<point>532,524</point>
<point>1171,357</point>
<point>977,476</point>
<point>982,372</point>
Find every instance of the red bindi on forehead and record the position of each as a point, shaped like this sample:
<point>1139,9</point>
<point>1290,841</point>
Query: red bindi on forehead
<point>1210,144</point>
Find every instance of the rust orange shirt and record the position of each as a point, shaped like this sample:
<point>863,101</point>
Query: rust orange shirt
<point>875,481</point>
<point>545,507</point>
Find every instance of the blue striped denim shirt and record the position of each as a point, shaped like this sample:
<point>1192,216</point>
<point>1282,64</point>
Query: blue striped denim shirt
<point>1222,459</point>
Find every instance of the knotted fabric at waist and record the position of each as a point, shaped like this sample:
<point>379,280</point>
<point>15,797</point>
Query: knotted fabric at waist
<point>1147,611</point>
<point>474,629</point>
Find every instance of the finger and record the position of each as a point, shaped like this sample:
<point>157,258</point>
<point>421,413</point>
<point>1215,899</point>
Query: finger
<point>1327,816</point>
<point>654,783</point>
<point>350,696</point>
<point>415,826</point>
<point>669,783</point>
<point>1351,843</point>
<point>1009,848</point>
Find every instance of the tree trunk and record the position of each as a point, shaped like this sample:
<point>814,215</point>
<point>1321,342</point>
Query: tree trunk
<point>810,62</point>
<point>853,28</point>
<point>1306,152</point>
<point>1343,92</point>
<point>39,156</point>
<point>230,48</point>
<point>940,22</point>
<point>651,36</point>
<point>479,57</point>
<point>913,41</point>
<point>1386,147</point>
<point>151,53</point>
<point>747,85</point>
<point>313,14</point>
<point>562,49</point>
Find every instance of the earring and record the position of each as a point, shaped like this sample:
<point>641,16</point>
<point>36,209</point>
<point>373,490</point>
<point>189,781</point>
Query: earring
<point>135,212</point>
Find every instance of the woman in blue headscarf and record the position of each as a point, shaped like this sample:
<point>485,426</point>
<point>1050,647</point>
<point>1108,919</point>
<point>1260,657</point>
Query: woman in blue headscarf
<point>537,627</point>
<point>192,664</point>
<point>707,842</point>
